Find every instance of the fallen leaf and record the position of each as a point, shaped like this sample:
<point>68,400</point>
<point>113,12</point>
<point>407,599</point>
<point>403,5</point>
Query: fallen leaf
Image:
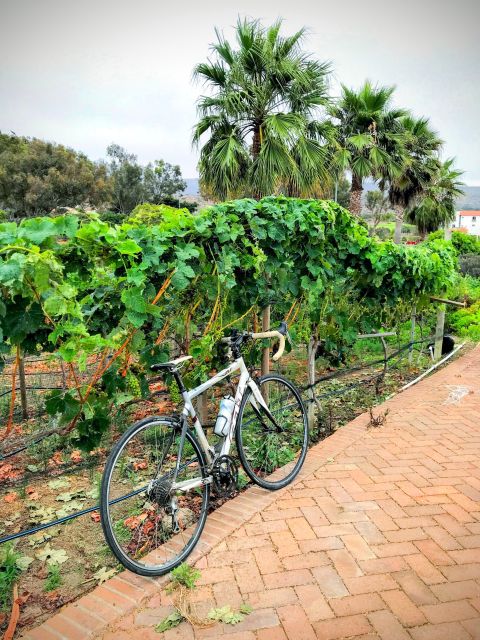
<point>69,507</point>
<point>142,464</point>
<point>40,514</point>
<point>10,497</point>
<point>170,622</point>
<point>134,521</point>
<point>65,497</point>
<point>32,493</point>
<point>23,562</point>
<point>59,483</point>
<point>52,556</point>
<point>7,472</point>
<point>56,459</point>
<point>226,615</point>
<point>104,574</point>
<point>38,538</point>
<point>76,456</point>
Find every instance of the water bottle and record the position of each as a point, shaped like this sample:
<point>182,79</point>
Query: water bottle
<point>222,425</point>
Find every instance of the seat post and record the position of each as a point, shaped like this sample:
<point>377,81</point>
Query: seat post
<point>178,380</point>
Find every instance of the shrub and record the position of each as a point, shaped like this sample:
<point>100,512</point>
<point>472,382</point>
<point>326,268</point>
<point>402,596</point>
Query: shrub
<point>464,243</point>
<point>151,214</point>
<point>112,217</point>
<point>466,322</point>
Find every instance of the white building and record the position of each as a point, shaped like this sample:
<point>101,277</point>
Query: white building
<point>469,221</point>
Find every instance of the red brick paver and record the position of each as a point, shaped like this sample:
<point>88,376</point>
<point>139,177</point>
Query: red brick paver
<point>379,537</point>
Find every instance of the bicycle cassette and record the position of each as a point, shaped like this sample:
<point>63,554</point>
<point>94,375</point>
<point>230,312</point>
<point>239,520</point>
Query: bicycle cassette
<point>225,476</point>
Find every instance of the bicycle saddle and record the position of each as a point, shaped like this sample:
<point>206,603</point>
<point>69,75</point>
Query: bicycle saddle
<point>171,365</point>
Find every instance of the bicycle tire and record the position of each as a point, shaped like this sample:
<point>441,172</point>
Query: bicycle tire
<point>105,504</point>
<point>241,437</point>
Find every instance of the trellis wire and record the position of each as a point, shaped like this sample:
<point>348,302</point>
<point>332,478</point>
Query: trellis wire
<point>327,377</point>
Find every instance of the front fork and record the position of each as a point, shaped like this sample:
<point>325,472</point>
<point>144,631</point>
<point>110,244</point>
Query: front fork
<point>174,502</point>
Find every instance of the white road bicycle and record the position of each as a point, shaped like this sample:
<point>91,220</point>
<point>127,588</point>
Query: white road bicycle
<point>158,477</point>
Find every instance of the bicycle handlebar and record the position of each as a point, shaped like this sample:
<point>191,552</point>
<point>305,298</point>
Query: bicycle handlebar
<point>238,338</point>
<point>272,334</point>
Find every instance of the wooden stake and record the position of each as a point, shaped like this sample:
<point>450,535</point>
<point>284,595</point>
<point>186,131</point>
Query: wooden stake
<point>439,332</point>
<point>266,351</point>
<point>23,387</point>
<point>311,352</point>
<point>412,333</point>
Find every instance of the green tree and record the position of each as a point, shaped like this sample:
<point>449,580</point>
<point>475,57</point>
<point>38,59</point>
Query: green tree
<point>436,206</point>
<point>127,179</point>
<point>368,139</point>
<point>377,204</point>
<point>261,115</point>
<point>162,180</point>
<point>38,176</point>
<point>420,164</point>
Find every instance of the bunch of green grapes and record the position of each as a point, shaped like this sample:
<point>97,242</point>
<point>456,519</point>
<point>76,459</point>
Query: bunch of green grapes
<point>133,384</point>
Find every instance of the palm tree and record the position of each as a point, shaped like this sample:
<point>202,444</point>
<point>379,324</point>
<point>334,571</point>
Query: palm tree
<point>436,206</point>
<point>369,136</point>
<point>261,115</point>
<point>420,154</point>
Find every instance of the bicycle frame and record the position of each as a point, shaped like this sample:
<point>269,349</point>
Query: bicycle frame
<point>189,410</point>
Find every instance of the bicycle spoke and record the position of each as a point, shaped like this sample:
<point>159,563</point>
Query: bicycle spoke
<point>153,527</point>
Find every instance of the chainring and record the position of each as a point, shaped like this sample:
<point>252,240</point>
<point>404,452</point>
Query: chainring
<point>225,476</point>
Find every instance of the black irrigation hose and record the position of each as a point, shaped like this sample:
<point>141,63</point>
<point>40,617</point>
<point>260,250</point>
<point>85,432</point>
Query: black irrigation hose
<point>4,393</point>
<point>342,372</point>
<point>72,516</point>
<point>26,446</point>
<point>329,376</point>
<point>29,532</point>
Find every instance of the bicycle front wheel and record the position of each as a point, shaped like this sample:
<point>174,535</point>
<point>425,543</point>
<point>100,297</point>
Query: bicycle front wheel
<point>272,451</point>
<point>151,523</point>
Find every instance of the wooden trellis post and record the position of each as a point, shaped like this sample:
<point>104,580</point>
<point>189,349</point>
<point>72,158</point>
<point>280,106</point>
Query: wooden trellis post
<point>23,387</point>
<point>311,353</point>
<point>412,333</point>
<point>439,331</point>
<point>440,328</point>
<point>266,351</point>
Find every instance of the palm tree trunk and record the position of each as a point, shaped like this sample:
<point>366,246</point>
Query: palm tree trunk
<point>256,144</point>
<point>399,214</point>
<point>356,195</point>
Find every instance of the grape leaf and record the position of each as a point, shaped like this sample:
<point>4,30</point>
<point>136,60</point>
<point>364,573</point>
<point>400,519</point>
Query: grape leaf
<point>170,622</point>
<point>104,574</point>
<point>60,483</point>
<point>23,562</point>
<point>52,556</point>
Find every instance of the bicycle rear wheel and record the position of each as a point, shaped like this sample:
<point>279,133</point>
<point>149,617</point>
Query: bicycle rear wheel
<point>150,525</point>
<point>272,452</point>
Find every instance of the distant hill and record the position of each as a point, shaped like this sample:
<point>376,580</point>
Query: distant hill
<point>192,187</point>
<point>471,199</point>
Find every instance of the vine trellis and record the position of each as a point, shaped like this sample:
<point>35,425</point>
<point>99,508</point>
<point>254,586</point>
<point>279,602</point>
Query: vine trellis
<point>126,295</point>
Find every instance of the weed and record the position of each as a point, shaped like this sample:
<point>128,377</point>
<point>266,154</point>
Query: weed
<point>170,622</point>
<point>54,579</point>
<point>9,572</point>
<point>186,576</point>
<point>122,533</point>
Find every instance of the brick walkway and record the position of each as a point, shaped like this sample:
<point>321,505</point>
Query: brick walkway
<point>379,537</point>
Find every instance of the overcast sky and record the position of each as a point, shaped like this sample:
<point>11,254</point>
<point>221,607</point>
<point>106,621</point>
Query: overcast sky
<point>89,72</point>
